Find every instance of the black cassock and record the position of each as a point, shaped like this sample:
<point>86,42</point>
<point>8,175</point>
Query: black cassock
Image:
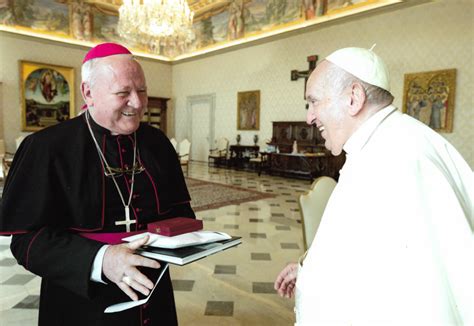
<point>56,188</point>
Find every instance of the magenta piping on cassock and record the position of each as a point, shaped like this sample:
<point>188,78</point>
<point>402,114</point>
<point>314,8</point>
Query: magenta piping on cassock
<point>157,200</point>
<point>102,222</point>
<point>29,247</point>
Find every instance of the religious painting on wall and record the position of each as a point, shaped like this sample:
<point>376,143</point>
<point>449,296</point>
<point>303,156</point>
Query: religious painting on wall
<point>47,94</point>
<point>105,27</point>
<point>220,25</point>
<point>313,8</point>
<point>203,30</point>
<point>336,6</point>
<point>248,110</point>
<point>429,97</point>
<point>47,16</point>
<point>263,16</point>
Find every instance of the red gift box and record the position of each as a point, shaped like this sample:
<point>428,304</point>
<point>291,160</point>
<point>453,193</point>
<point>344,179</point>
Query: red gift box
<point>175,226</point>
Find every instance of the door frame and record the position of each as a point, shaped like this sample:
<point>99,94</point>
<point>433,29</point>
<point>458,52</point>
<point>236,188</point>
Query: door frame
<point>198,99</point>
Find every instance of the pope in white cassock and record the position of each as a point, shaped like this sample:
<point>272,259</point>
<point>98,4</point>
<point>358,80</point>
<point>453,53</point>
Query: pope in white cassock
<point>395,245</point>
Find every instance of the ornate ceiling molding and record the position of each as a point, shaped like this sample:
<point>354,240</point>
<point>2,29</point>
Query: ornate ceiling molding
<point>220,25</point>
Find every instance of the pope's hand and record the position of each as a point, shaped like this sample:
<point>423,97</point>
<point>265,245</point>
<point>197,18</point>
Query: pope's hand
<point>120,266</point>
<point>286,281</point>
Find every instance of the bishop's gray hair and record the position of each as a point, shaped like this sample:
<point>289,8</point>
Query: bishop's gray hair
<point>87,72</point>
<point>341,79</point>
<point>89,69</point>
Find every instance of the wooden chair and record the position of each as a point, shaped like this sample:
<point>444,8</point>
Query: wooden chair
<point>183,154</point>
<point>18,141</point>
<point>260,162</point>
<point>218,155</point>
<point>6,160</point>
<point>175,144</point>
<point>312,205</point>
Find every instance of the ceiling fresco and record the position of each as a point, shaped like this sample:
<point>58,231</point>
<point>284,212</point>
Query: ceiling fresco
<point>217,24</point>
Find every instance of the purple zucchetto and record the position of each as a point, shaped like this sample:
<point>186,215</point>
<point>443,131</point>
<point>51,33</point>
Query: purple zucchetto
<point>105,50</point>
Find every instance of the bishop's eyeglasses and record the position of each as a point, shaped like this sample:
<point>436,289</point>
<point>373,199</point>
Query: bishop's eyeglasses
<point>117,172</point>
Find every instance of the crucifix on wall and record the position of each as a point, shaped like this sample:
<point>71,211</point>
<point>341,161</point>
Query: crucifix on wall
<point>295,74</point>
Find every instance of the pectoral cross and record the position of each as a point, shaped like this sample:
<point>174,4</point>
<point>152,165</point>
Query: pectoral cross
<point>295,74</point>
<point>127,220</point>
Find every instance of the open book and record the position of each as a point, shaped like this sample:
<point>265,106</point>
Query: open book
<point>186,255</point>
<point>130,304</point>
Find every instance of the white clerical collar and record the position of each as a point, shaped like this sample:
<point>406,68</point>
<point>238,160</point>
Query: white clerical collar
<point>360,137</point>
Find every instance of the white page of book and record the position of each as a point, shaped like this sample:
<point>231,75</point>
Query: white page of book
<point>182,240</point>
<point>131,304</point>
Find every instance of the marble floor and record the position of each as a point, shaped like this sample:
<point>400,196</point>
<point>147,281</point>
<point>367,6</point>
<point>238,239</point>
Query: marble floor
<point>234,287</point>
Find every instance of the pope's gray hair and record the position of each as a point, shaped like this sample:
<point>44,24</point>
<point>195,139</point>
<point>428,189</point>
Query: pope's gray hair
<point>341,79</point>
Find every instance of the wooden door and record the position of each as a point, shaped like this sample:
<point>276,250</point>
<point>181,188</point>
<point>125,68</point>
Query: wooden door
<point>156,112</point>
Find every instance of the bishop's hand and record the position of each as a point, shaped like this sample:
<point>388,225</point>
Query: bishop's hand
<point>120,266</point>
<point>286,281</point>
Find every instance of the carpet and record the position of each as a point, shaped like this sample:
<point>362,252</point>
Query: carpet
<point>209,195</point>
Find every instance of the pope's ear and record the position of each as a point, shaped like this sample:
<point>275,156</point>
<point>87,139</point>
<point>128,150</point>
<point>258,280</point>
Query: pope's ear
<point>358,98</point>
<point>86,93</point>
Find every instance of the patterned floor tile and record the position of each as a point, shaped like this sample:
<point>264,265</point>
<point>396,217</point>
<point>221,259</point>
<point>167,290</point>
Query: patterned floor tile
<point>219,308</point>
<point>30,302</point>
<point>19,279</point>
<point>8,262</point>
<point>258,235</point>
<point>209,219</point>
<point>231,226</point>
<point>284,221</point>
<point>263,287</point>
<point>183,285</point>
<point>4,247</point>
<point>289,246</point>
<point>225,269</point>
<point>260,256</point>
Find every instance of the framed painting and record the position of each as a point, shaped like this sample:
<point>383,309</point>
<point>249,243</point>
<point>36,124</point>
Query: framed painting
<point>338,6</point>
<point>429,97</point>
<point>47,94</point>
<point>248,110</point>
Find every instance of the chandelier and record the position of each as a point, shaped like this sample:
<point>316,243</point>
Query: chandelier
<point>163,26</point>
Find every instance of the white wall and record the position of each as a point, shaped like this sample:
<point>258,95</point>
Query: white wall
<point>14,48</point>
<point>426,37</point>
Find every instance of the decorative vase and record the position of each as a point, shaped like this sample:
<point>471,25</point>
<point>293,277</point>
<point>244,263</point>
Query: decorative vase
<point>295,148</point>
<point>255,139</point>
<point>238,139</point>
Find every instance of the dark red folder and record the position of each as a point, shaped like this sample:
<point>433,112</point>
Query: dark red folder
<point>175,226</point>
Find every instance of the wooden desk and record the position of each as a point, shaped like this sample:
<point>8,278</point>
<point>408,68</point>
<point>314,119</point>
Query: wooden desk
<point>308,166</point>
<point>240,155</point>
